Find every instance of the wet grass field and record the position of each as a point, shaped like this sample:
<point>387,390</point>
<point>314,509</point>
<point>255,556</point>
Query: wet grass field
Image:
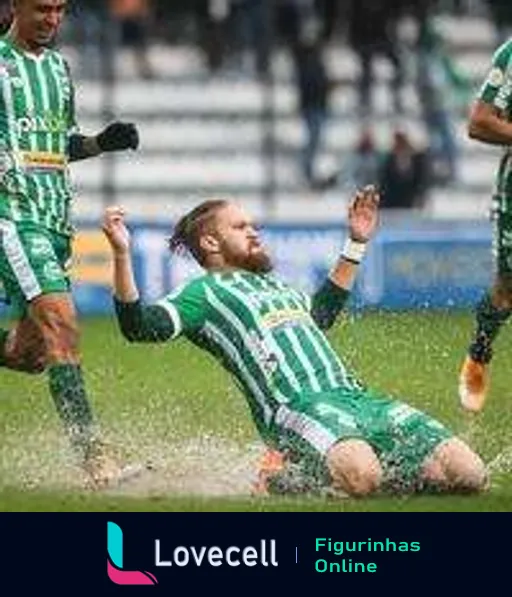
<point>173,406</point>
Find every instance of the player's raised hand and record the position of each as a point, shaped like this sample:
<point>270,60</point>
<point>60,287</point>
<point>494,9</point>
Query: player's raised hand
<point>363,214</point>
<point>115,229</point>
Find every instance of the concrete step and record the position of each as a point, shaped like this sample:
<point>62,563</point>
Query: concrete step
<point>221,98</point>
<point>201,137</point>
<point>302,207</point>
<point>140,171</point>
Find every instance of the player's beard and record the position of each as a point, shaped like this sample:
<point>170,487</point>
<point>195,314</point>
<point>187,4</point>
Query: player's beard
<point>258,262</point>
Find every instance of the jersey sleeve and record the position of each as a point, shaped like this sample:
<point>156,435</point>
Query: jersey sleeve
<point>497,87</point>
<point>327,302</point>
<point>186,307</point>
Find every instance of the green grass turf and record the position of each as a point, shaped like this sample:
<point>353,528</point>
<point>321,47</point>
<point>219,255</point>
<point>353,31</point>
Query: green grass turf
<point>173,405</point>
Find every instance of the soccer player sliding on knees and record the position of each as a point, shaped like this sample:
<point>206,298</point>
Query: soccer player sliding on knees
<point>324,429</point>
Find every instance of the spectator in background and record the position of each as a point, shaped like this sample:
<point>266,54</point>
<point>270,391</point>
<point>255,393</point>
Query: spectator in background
<point>418,10</point>
<point>88,20</point>
<point>403,177</point>
<point>133,17</point>
<point>372,32</point>
<point>212,23</point>
<point>252,25</point>
<point>360,168</point>
<point>363,165</point>
<point>313,87</point>
<point>329,14</point>
<point>441,87</point>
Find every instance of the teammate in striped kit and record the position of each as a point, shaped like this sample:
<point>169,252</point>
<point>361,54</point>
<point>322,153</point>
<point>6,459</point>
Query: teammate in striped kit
<point>305,404</point>
<point>491,122</point>
<point>38,138</point>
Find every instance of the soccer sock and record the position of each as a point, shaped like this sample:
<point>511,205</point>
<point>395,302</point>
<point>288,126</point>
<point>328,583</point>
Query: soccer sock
<point>489,320</point>
<point>68,392</point>
<point>3,339</point>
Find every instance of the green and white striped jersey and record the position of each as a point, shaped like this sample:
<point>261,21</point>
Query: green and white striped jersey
<point>497,91</point>
<point>261,330</point>
<point>36,119</point>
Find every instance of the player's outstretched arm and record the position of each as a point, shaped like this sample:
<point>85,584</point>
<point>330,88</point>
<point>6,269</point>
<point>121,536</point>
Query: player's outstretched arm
<point>331,297</point>
<point>137,322</point>
<point>487,124</point>
<point>117,136</point>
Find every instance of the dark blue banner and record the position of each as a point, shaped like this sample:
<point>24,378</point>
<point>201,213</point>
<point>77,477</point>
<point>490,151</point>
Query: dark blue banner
<point>235,554</point>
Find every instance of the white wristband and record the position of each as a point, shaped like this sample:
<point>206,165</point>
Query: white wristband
<point>353,250</point>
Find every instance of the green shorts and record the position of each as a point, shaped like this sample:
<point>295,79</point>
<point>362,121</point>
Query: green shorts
<point>33,262</point>
<point>502,233</point>
<point>402,436</point>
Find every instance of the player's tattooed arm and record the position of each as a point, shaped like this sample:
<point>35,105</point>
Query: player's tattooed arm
<point>486,123</point>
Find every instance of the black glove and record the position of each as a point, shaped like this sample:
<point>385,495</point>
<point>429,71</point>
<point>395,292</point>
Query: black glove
<point>117,136</point>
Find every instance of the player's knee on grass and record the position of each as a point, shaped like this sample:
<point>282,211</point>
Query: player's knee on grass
<point>354,467</point>
<point>455,467</point>
<point>25,348</point>
<point>56,319</point>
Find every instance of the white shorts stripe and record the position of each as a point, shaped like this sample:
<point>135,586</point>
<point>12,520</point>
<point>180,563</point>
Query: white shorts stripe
<point>307,428</point>
<point>18,260</point>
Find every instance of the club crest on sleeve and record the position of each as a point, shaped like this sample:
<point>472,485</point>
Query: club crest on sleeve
<point>496,77</point>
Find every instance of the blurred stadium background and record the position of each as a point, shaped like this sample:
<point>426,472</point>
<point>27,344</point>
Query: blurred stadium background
<point>209,124</point>
<point>266,101</point>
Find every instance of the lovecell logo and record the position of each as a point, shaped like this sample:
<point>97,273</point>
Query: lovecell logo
<point>116,573</point>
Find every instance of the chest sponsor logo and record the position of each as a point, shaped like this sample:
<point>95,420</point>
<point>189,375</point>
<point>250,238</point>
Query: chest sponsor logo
<point>49,122</point>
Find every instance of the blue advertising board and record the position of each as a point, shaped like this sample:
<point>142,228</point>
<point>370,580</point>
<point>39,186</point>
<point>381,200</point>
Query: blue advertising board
<point>434,265</point>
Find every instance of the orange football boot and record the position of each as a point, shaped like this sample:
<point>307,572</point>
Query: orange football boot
<point>473,384</point>
<point>271,463</point>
